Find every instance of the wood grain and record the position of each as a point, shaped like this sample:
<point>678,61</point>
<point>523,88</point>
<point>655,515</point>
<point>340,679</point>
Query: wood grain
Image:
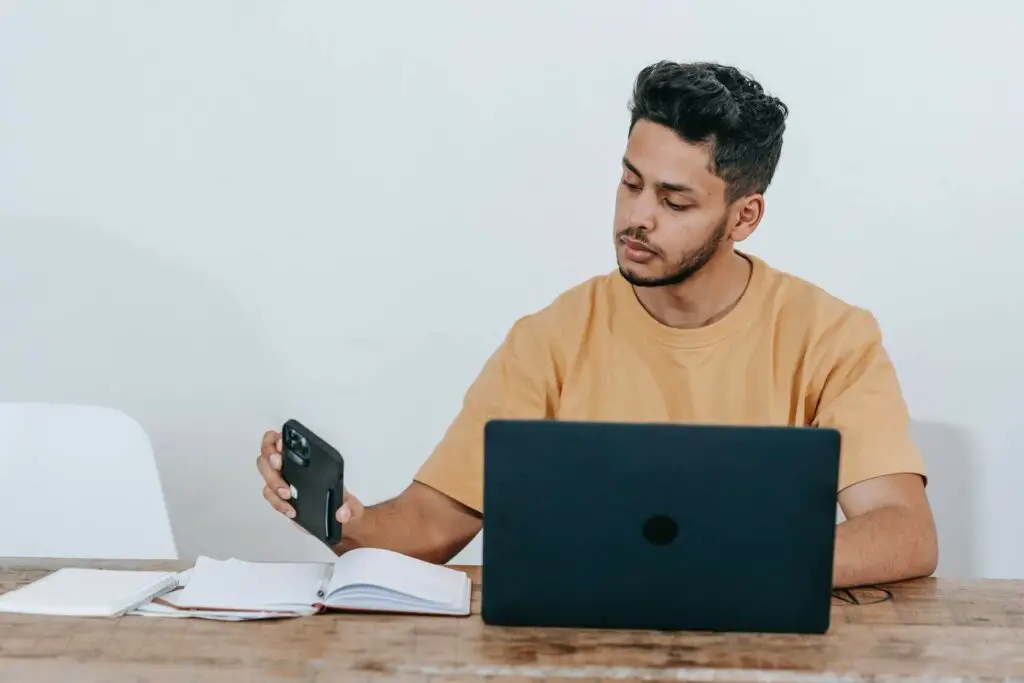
<point>931,629</point>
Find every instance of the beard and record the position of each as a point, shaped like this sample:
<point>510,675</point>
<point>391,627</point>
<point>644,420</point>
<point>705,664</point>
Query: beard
<point>682,270</point>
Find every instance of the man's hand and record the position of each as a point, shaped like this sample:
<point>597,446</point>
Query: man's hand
<point>276,491</point>
<point>421,522</point>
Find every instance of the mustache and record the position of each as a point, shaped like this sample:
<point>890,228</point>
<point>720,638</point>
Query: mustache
<point>637,235</point>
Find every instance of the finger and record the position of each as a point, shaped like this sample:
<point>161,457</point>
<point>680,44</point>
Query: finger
<point>278,504</point>
<point>271,441</point>
<point>355,506</point>
<point>350,510</point>
<point>271,448</point>
<point>344,514</point>
<point>272,478</point>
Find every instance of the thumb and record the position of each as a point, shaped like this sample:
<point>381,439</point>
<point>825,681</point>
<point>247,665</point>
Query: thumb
<point>350,510</point>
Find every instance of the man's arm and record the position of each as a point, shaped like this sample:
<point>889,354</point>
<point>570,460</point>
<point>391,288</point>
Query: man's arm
<point>421,522</point>
<point>889,533</point>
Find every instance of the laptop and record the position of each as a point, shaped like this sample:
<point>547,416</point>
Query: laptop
<point>659,526</point>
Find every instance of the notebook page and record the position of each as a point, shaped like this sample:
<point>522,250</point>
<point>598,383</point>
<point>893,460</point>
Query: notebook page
<point>383,600</point>
<point>235,584</point>
<point>73,591</point>
<point>399,573</point>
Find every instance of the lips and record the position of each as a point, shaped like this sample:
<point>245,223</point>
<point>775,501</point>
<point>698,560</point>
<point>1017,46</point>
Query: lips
<point>637,246</point>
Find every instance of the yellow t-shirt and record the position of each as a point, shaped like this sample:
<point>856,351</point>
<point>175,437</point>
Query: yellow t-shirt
<point>788,353</point>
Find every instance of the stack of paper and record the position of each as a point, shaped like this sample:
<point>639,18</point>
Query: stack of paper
<point>85,592</point>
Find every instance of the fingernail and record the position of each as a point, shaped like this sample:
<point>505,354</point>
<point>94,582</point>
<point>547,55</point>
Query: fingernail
<point>284,493</point>
<point>275,460</point>
<point>344,514</point>
<point>279,445</point>
<point>290,513</point>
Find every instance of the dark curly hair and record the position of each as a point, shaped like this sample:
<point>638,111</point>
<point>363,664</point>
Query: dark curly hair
<point>720,106</point>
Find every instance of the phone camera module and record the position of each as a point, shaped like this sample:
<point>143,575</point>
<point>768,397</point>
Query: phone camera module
<point>297,448</point>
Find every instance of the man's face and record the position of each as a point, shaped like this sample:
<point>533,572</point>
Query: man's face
<point>670,213</point>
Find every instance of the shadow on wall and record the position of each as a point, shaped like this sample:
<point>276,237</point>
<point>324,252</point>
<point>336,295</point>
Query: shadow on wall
<point>92,319</point>
<point>951,490</point>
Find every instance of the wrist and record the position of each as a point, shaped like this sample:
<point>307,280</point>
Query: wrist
<point>351,537</point>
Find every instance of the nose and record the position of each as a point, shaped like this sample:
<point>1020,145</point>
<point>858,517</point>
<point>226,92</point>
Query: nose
<point>642,211</point>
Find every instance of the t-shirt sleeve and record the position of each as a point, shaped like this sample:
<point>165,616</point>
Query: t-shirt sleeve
<point>518,381</point>
<point>862,398</point>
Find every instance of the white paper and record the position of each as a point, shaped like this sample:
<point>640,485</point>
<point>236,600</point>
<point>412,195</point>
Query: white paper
<point>391,575</point>
<point>366,578</point>
<point>166,607</point>
<point>234,584</point>
<point>73,591</point>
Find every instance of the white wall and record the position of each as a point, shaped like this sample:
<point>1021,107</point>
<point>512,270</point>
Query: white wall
<point>180,180</point>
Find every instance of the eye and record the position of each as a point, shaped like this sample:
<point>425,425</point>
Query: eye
<point>632,186</point>
<point>676,207</point>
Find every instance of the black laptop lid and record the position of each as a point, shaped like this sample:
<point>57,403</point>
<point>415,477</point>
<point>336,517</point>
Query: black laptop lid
<point>659,526</point>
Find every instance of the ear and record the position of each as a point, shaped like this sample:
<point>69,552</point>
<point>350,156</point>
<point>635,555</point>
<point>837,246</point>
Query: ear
<point>745,215</point>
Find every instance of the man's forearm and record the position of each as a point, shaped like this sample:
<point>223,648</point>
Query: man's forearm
<point>421,523</point>
<point>389,526</point>
<point>884,545</point>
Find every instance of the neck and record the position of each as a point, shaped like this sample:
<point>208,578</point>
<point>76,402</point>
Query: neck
<point>704,298</point>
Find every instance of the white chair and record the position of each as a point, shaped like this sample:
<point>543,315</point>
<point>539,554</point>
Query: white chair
<point>79,482</point>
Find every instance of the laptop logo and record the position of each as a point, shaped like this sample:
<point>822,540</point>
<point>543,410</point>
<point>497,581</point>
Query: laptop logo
<point>660,530</point>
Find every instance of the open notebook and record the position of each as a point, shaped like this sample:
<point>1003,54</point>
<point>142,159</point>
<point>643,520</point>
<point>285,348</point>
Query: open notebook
<point>367,579</point>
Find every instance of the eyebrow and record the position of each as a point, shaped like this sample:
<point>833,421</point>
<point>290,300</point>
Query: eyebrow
<point>670,187</point>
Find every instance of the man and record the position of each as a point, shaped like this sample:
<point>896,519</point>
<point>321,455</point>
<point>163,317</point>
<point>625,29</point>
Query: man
<point>687,329</point>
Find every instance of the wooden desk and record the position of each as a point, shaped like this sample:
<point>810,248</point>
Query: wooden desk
<point>931,629</point>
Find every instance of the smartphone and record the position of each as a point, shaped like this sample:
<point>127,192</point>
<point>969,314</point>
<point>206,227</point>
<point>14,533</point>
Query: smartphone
<point>315,473</point>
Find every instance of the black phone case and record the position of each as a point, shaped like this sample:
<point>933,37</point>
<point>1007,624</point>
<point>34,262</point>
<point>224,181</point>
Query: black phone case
<point>315,471</point>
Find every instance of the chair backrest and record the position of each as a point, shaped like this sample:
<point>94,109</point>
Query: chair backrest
<point>79,482</point>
